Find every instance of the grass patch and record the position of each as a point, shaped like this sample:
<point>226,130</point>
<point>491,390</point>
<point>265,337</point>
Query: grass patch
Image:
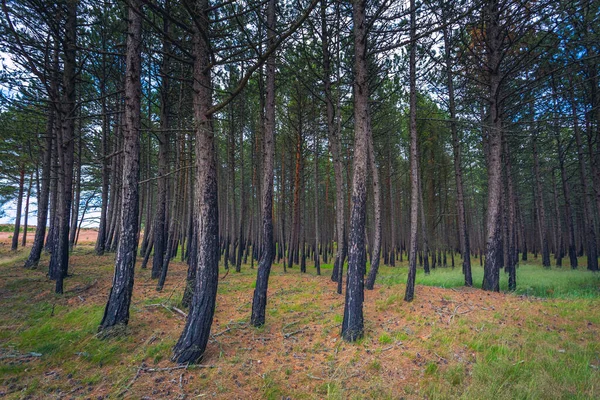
<point>492,346</point>
<point>532,280</point>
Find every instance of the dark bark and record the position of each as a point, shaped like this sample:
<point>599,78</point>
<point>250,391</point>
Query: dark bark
<point>512,255</point>
<point>375,253</point>
<point>335,148</point>
<point>116,312</point>
<point>44,193</point>
<point>259,300</point>
<point>353,322</point>
<point>493,238</point>
<point>59,262</point>
<point>17,227</point>
<point>463,230</point>
<point>414,166</point>
<point>194,338</point>
<point>161,225</point>
<point>589,226</point>
<point>317,259</point>
<point>26,213</point>
<point>541,208</point>
<point>77,193</point>
<point>568,208</point>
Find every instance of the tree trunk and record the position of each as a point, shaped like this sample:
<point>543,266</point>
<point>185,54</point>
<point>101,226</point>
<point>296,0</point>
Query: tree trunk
<point>463,229</point>
<point>375,253</point>
<point>568,209</point>
<point>44,194</point>
<point>335,148</point>
<point>592,250</point>
<point>194,338</point>
<point>259,300</point>
<point>512,255</point>
<point>161,224</point>
<point>493,256</point>
<point>26,214</point>
<point>353,323</point>
<point>77,199</point>
<point>116,312</point>
<point>539,194</point>
<point>17,228</point>
<point>414,166</point>
<point>316,199</point>
<point>59,262</point>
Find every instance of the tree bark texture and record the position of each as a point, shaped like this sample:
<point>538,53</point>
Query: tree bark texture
<point>116,312</point>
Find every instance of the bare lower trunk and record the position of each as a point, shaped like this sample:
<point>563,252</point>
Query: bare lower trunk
<point>539,194</point>
<point>26,214</point>
<point>592,250</point>
<point>335,149</point>
<point>493,238</point>
<point>43,194</point>
<point>414,166</point>
<point>377,214</point>
<point>17,228</point>
<point>463,230</point>
<point>259,300</point>
<point>59,262</point>
<point>353,322</point>
<point>116,312</point>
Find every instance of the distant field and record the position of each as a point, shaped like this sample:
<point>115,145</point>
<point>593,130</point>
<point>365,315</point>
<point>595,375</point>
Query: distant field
<point>86,236</point>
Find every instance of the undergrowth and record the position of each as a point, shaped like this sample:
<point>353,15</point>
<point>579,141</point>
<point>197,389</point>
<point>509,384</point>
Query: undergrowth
<point>445,344</point>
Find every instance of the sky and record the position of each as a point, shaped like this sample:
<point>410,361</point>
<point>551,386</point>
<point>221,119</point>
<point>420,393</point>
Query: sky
<point>8,213</point>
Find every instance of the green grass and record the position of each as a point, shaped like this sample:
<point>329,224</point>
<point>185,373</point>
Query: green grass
<point>11,228</point>
<point>523,348</point>
<point>532,280</point>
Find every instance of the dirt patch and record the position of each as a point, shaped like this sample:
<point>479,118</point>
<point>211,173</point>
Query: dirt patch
<point>86,236</point>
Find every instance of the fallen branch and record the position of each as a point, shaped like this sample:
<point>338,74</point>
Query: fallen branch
<point>187,366</point>
<point>137,374</point>
<point>171,309</point>
<point>289,335</point>
<point>180,312</point>
<point>221,333</point>
<point>80,289</point>
<point>315,377</point>
<point>25,355</point>
<point>289,325</point>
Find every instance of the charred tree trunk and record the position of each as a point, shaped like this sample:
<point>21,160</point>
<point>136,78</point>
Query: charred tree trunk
<point>353,322</point>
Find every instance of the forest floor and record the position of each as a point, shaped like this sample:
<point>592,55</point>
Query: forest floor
<point>448,343</point>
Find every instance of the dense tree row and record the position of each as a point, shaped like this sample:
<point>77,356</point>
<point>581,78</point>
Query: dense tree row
<point>248,133</point>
